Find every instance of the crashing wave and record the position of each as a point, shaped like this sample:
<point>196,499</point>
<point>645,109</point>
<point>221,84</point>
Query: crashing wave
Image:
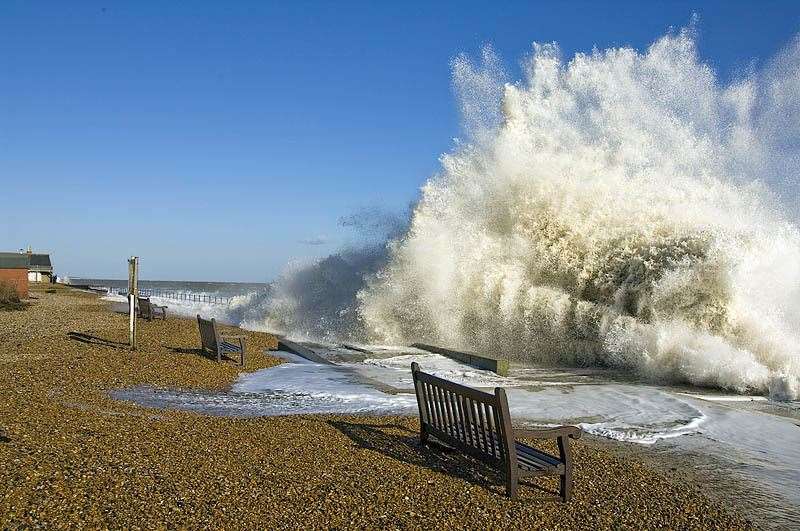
<point>615,214</point>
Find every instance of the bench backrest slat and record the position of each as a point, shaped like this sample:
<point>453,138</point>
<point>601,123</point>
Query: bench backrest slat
<point>208,333</point>
<point>475,421</point>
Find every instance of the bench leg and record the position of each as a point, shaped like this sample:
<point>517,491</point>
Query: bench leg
<point>566,478</point>
<point>511,479</point>
<point>566,485</point>
<point>511,486</point>
<point>423,435</point>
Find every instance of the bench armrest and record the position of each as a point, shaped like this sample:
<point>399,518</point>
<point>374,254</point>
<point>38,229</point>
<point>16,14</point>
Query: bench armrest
<point>572,432</point>
<point>232,336</point>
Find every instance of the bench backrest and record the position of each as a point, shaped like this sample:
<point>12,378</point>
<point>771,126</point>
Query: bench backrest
<point>476,422</point>
<point>208,333</point>
<point>145,310</point>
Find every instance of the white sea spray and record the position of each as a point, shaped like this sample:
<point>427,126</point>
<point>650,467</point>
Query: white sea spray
<point>618,209</point>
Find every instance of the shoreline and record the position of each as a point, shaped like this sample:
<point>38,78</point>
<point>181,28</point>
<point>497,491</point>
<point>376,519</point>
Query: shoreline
<point>82,458</point>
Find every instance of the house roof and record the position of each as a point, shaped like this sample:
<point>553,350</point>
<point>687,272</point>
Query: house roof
<point>40,260</point>
<point>13,261</point>
<point>31,262</point>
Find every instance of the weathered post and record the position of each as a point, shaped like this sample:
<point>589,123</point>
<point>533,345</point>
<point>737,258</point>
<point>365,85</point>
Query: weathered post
<point>133,292</point>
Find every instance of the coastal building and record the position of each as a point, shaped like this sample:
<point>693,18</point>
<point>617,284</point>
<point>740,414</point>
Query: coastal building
<point>23,267</point>
<point>39,267</point>
<point>14,270</point>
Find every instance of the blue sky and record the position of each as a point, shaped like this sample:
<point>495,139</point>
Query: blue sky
<point>218,140</point>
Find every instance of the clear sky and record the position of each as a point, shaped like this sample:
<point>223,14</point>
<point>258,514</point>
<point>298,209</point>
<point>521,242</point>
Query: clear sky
<point>218,140</point>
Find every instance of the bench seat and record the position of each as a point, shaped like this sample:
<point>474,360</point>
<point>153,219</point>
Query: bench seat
<point>534,462</point>
<point>529,460</point>
<point>229,347</point>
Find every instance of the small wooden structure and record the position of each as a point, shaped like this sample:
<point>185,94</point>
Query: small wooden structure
<point>149,311</point>
<point>220,344</point>
<point>479,424</point>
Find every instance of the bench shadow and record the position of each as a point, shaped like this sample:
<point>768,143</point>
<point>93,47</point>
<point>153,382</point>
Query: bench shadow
<point>435,456</point>
<point>406,447</point>
<point>199,352</point>
<point>96,340</point>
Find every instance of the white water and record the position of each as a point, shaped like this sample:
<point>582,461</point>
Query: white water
<point>618,214</point>
<point>623,412</point>
<point>237,312</point>
<point>759,448</point>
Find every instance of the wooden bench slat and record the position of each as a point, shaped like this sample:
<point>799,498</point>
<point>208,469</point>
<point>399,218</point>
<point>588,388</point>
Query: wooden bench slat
<point>473,440</point>
<point>451,399</point>
<point>461,419</point>
<point>446,424</point>
<point>432,402</point>
<point>434,407</point>
<point>451,411</point>
<point>464,422</point>
<point>427,398</point>
<point>493,430</point>
<point>481,414</point>
<point>530,453</point>
<point>475,394</point>
<point>443,422</point>
<point>481,427</point>
<point>532,461</point>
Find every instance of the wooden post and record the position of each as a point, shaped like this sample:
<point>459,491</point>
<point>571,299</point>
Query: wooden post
<point>133,292</point>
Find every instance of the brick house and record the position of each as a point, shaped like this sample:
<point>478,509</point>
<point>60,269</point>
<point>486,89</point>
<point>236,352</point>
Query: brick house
<point>14,270</point>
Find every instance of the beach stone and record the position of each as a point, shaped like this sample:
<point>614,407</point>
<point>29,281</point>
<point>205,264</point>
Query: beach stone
<point>73,457</point>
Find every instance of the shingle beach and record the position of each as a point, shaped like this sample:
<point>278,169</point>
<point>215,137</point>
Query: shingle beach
<point>73,457</point>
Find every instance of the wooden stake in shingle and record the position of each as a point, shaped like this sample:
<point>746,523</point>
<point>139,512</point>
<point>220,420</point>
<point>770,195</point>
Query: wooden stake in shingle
<point>133,292</point>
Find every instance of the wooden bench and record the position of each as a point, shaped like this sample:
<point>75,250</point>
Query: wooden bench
<point>150,311</point>
<point>479,424</point>
<point>220,344</point>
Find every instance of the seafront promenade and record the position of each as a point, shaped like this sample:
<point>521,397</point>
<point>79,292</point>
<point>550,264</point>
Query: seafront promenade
<point>74,457</point>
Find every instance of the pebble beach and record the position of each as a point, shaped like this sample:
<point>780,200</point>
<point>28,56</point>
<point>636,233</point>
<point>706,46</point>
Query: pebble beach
<point>73,457</point>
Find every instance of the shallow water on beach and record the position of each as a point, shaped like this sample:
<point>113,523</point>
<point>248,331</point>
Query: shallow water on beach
<point>751,441</point>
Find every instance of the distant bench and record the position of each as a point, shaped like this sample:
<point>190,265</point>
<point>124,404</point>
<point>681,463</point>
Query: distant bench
<point>218,344</point>
<point>479,424</point>
<point>150,311</point>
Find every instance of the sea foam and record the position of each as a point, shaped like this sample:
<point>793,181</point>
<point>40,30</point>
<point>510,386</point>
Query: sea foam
<point>619,209</point>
